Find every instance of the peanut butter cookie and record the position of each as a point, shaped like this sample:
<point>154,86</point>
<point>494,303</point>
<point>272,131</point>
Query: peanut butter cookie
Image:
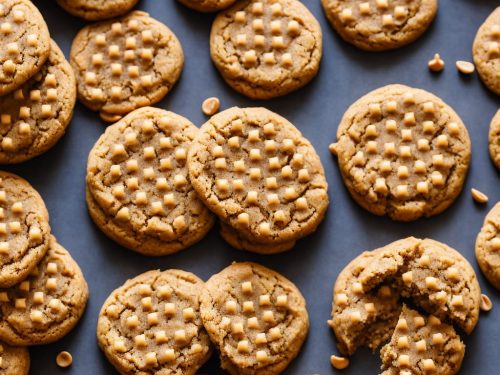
<point>207,5</point>
<point>124,64</point>
<point>379,25</point>
<point>488,246</point>
<point>35,116</point>
<point>486,51</point>
<point>264,49</point>
<point>48,304</point>
<point>138,189</point>
<point>259,174</point>
<point>494,139</point>
<point>24,43</point>
<point>24,229</point>
<point>403,152</point>
<point>95,10</point>
<point>255,317</point>
<point>14,360</point>
<point>152,325</point>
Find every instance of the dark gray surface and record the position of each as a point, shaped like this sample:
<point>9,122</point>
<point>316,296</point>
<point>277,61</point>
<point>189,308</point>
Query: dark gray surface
<point>346,74</point>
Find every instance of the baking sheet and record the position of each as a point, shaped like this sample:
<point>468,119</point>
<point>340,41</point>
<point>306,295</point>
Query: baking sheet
<point>346,74</point>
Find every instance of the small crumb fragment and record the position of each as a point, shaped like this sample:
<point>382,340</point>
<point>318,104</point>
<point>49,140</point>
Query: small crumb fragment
<point>210,106</point>
<point>465,67</point>
<point>478,196</point>
<point>333,148</point>
<point>330,323</point>
<point>339,363</point>
<point>64,359</point>
<point>436,64</point>
<point>486,304</point>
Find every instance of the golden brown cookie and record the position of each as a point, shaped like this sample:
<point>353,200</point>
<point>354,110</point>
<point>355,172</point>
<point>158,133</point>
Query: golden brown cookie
<point>488,246</point>
<point>256,318</point>
<point>14,360</point>
<point>24,43</point>
<point>207,5</point>
<point>152,325</point>
<point>48,304</point>
<point>403,152</point>
<point>35,116</point>
<point>24,229</point>
<point>264,49</point>
<point>259,174</point>
<point>138,189</point>
<point>379,25</point>
<point>422,345</point>
<point>486,51</point>
<point>494,139</point>
<point>95,10</point>
<point>124,64</point>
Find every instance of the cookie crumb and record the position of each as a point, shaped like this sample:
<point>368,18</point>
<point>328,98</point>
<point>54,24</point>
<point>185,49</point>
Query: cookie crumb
<point>64,359</point>
<point>465,67</point>
<point>339,363</point>
<point>210,106</point>
<point>486,304</point>
<point>478,196</point>
<point>436,64</point>
<point>333,148</point>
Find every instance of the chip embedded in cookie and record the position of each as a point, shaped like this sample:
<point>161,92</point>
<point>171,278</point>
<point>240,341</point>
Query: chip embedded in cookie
<point>95,10</point>
<point>259,174</point>
<point>14,360</point>
<point>35,116</point>
<point>24,229</point>
<point>207,5</point>
<point>256,318</point>
<point>486,52</point>
<point>24,43</point>
<point>48,304</point>
<point>152,325</point>
<point>124,64</point>
<point>403,153</point>
<point>138,188</point>
<point>494,139</point>
<point>488,246</point>
<point>379,25</point>
<point>264,49</point>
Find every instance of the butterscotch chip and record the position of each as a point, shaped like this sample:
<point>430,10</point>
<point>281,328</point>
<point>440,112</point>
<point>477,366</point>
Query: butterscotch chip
<point>266,48</point>
<point>64,359</point>
<point>175,344</point>
<point>210,106</point>
<point>95,10</point>
<point>437,64</point>
<point>380,25</point>
<point>148,150</point>
<point>24,42</point>
<point>211,6</point>
<point>494,139</point>
<point>465,67</point>
<point>420,147</point>
<point>340,363</point>
<point>280,191</point>
<point>150,66</point>
<point>277,331</point>
<point>488,246</point>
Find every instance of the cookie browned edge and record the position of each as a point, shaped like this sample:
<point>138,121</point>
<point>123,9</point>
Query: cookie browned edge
<point>97,12</point>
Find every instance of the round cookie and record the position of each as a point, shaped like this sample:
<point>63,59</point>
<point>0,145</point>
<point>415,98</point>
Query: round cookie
<point>403,152</point>
<point>152,325</point>
<point>24,229</point>
<point>138,189</point>
<point>35,116</point>
<point>48,304</point>
<point>14,360</point>
<point>486,51</point>
<point>258,173</point>
<point>256,318</point>
<point>380,25</point>
<point>434,276</point>
<point>207,5</point>
<point>488,247</point>
<point>124,64</point>
<point>264,49</point>
<point>95,10</point>
<point>494,139</point>
<point>24,43</point>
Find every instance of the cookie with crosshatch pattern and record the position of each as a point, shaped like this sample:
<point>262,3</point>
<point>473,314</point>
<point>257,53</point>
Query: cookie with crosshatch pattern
<point>488,246</point>
<point>94,10</point>
<point>24,229</point>
<point>138,189</point>
<point>255,317</point>
<point>379,25</point>
<point>259,174</point>
<point>264,49</point>
<point>46,305</point>
<point>125,63</point>
<point>24,43</point>
<point>35,116</point>
<point>486,51</point>
<point>152,325</point>
<point>14,360</point>
<point>403,152</point>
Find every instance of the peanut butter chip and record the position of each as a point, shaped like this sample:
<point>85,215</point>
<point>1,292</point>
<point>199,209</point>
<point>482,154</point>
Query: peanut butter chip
<point>478,196</point>
<point>64,359</point>
<point>436,64</point>
<point>340,363</point>
<point>210,106</point>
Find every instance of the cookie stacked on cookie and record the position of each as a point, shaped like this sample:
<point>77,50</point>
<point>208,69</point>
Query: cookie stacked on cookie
<point>37,85</point>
